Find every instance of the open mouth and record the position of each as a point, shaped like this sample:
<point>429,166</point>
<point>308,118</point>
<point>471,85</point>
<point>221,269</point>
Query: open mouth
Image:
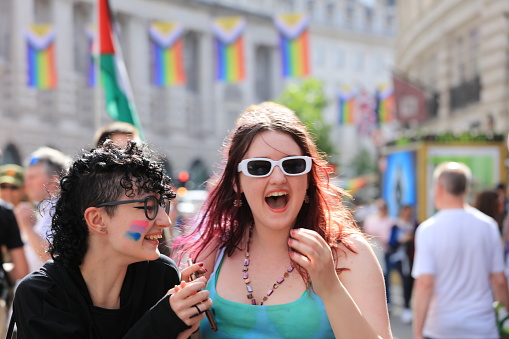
<point>153,236</point>
<point>277,200</point>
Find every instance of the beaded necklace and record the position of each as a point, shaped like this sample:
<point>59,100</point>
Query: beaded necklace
<point>247,281</point>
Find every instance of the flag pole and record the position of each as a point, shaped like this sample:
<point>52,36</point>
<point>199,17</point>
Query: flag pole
<point>97,88</point>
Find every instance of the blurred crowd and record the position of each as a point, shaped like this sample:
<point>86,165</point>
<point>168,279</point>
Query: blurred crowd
<point>26,200</point>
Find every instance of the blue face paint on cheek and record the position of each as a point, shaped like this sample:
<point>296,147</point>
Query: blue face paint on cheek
<point>133,235</point>
<point>136,229</point>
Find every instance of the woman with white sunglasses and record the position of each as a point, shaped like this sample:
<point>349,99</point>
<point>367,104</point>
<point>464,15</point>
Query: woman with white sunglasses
<point>284,256</point>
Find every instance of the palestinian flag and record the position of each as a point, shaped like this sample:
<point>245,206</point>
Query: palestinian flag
<point>119,99</point>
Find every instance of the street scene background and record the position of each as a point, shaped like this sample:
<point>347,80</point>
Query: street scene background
<point>389,88</point>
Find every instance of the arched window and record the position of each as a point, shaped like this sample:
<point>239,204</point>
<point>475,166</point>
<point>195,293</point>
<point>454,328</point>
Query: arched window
<point>11,155</point>
<point>198,174</point>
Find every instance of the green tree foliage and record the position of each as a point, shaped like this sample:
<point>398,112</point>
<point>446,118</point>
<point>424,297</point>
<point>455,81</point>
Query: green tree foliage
<point>363,163</point>
<point>307,99</point>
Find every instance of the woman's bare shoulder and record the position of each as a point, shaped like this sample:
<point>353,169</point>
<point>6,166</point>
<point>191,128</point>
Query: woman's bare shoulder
<point>360,252</point>
<point>208,256</point>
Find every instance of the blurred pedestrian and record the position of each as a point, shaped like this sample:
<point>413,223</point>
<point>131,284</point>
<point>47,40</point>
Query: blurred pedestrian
<point>12,189</point>
<point>502,194</point>
<point>379,225</point>
<point>458,267</point>
<point>490,203</point>
<point>107,278</point>
<point>284,255</point>
<point>42,172</point>
<point>14,266</point>
<point>118,132</point>
<point>401,245</point>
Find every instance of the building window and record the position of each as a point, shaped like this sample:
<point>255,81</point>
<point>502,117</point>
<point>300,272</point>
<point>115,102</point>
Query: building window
<point>263,73</point>
<point>330,12</point>
<point>319,57</point>
<point>288,5</point>
<point>82,18</point>
<point>359,61</point>
<point>340,59</point>
<point>349,13</point>
<point>474,52</point>
<point>389,22</point>
<point>42,9</point>
<point>11,155</point>
<point>458,61</point>
<point>379,64</point>
<point>368,15</point>
<point>123,37</point>
<point>310,7</point>
<point>5,29</point>
<point>191,57</point>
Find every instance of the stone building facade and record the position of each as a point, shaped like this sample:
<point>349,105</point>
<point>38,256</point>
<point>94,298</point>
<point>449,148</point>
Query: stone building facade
<point>458,52</point>
<point>351,42</point>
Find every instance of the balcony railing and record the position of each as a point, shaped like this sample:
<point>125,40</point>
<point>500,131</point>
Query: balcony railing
<point>465,94</point>
<point>433,104</point>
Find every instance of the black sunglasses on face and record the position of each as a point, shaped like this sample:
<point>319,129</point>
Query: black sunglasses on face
<point>9,187</point>
<point>150,205</point>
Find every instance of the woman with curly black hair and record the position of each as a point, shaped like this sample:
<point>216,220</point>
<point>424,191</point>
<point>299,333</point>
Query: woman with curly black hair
<point>107,278</point>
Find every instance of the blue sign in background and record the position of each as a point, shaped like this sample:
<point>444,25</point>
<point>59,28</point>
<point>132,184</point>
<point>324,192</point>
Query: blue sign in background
<point>399,181</point>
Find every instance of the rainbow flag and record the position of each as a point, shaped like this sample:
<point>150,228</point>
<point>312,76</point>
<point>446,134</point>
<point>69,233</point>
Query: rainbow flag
<point>384,104</point>
<point>168,54</point>
<point>355,184</point>
<point>91,32</point>
<point>42,73</point>
<point>229,48</point>
<point>346,107</point>
<point>294,43</point>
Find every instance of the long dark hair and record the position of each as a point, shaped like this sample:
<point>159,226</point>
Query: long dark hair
<point>98,176</point>
<point>220,219</point>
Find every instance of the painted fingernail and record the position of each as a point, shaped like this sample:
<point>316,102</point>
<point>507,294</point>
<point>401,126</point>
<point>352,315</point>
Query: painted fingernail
<point>200,264</point>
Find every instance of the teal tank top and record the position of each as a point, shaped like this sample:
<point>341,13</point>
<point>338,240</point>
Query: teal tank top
<point>304,318</point>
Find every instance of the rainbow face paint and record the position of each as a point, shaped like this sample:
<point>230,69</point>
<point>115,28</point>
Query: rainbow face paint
<point>136,229</point>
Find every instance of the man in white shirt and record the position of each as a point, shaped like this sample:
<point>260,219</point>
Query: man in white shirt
<point>458,266</point>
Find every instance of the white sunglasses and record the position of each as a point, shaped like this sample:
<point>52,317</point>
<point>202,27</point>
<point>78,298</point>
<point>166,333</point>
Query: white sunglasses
<point>263,167</point>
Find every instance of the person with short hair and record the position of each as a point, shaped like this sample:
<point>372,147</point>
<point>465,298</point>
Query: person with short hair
<point>107,278</point>
<point>43,168</point>
<point>458,266</point>
<point>119,132</point>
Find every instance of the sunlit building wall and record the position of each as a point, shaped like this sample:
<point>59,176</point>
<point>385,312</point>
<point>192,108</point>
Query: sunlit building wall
<point>351,43</point>
<point>458,52</point>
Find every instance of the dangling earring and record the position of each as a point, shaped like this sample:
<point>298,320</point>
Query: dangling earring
<point>306,199</point>
<point>237,202</point>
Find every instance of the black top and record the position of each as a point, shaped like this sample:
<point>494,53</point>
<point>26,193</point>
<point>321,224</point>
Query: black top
<point>54,303</point>
<point>9,231</point>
